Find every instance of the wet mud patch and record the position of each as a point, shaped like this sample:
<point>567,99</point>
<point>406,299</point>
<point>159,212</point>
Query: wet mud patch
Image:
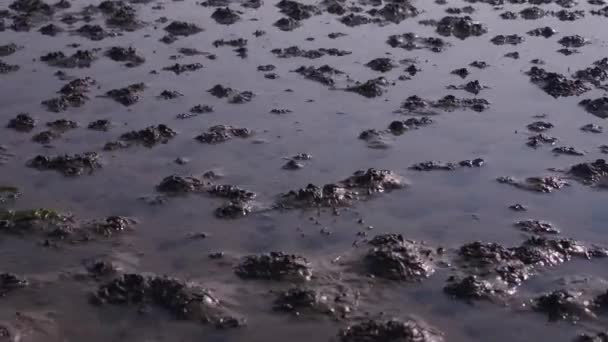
<point>79,59</point>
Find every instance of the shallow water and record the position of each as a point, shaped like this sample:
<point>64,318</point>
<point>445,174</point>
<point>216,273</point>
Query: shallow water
<point>443,208</point>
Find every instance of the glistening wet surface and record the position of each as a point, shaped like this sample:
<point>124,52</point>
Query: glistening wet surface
<point>355,171</point>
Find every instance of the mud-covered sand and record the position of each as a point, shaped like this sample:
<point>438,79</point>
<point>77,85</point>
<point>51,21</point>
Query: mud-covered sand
<point>355,171</point>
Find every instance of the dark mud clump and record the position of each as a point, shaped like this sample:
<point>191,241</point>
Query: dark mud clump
<point>381,64</point>
<point>100,125</point>
<point>538,140</point>
<point>178,184</point>
<point>353,20</point>
<point>22,122</point>
<point>287,24</point>
<point>178,68</point>
<point>231,192</point>
<point>546,32</point>
<point>294,51</point>
<point>234,209</point>
<point>434,165</point>
<point>573,41</point>
<point>62,125</point>
<point>73,94</point>
<point>221,133</point>
<point>511,39</point>
<point>153,135</point>
<point>471,288</point>
<point>330,195</point>
<point>180,28</point>
<point>51,30</point>
<point>479,64</point>
<point>10,282</point>
<point>395,258</point>
<point>274,266</point>
<point>590,173</point>
<point>532,13</point>
<point>45,137</point>
<point>410,41</point>
<point>599,337</point>
<point>361,185</point>
<point>92,32</point>
<point>8,49</point>
<point>370,88</point>
<point>185,301</point>
<point>79,59</point>
<point>462,72</point>
<point>32,7</point>
<point>597,107</point>
<point>555,84</point>
<point>473,87</point>
<point>460,27</point>
<point>300,301</point>
<point>594,75</point>
<point>296,10</point>
<point>129,55</point>
<point>565,15</point>
<point>225,16</point>
<point>568,150</point>
<point>395,12</point>
<point>6,68</point>
<point>398,127</point>
<point>592,128</point>
<point>128,95</point>
<point>69,165</point>
<point>323,74</point>
<point>448,103</point>
<point>540,126</point>
<point>508,15</point>
<point>389,331</point>
<point>538,184</point>
<point>536,227</point>
<point>233,95</point>
<point>563,305</point>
